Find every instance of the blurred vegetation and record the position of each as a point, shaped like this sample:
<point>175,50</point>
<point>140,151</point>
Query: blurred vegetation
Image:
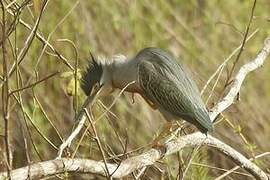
<point>202,34</point>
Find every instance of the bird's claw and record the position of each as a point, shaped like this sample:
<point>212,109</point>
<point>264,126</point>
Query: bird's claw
<point>160,147</point>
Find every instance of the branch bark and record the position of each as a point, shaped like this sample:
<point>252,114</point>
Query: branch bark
<point>129,165</point>
<point>57,166</point>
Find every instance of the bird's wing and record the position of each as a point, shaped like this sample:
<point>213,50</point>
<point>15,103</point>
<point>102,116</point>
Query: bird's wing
<point>175,94</point>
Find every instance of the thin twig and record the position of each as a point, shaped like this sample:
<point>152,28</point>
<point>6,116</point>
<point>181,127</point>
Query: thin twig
<point>51,33</point>
<point>29,40</point>
<point>115,100</point>
<point>34,84</point>
<point>98,142</point>
<point>5,92</point>
<point>190,160</point>
<point>237,167</point>
<point>47,117</point>
<point>220,169</point>
<point>14,23</point>
<point>45,42</point>
<point>239,78</point>
<point>221,66</point>
<point>36,127</point>
<point>75,102</point>
<point>214,86</point>
<point>243,43</point>
<point>26,148</point>
<point>19,101</point>
<point>140,173</point>
<point>80,141</point>
<point>80,118</point>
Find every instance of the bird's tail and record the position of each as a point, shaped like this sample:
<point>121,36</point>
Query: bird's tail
<point>203,120</point>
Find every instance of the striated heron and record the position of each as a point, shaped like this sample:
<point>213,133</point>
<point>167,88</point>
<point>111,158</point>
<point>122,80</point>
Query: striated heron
<point>158,78</point>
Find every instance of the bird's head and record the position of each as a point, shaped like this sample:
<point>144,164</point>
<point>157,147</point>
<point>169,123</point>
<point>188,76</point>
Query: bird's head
<point>91,77</point>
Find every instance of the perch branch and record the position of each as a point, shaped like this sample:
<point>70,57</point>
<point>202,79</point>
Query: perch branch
<point>57,166</point>
<point>129,165</point>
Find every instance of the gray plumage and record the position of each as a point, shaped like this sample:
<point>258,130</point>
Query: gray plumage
<point>159,79</point>
<point>167,84</point>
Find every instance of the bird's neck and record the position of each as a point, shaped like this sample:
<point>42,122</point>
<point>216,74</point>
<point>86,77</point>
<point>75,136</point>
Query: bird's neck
<point>121,73</point>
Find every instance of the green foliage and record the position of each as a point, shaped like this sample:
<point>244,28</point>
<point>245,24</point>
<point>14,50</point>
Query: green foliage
<point>198,171</point>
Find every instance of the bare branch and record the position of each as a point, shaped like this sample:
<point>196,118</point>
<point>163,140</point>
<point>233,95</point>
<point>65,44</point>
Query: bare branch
<point>81,119</point>
<point>52,167</point>
<point>5,91</point>
<point>28,41</point>
<point>239,78</point>
<point>34,84</point>
<point>221,66</point>
<point>45,42</point>
<point>98,142</point>
<point>237,167</point>
<point>243,43</point>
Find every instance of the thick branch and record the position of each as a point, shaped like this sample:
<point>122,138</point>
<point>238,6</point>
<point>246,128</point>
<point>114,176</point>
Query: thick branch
<point>57,166</point>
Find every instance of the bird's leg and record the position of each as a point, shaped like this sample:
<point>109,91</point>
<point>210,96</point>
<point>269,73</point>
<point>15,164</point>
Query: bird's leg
<point>133,98</point>
<point>166,129</point>
<point>150,103</point>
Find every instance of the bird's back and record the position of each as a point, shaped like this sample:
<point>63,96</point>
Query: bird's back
<point>168,84</point>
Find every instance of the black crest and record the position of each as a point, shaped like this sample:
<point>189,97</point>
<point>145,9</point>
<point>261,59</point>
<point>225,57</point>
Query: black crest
<point>91,75</point>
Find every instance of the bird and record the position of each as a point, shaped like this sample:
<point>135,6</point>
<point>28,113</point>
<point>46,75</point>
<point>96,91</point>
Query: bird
<point>164,84</point>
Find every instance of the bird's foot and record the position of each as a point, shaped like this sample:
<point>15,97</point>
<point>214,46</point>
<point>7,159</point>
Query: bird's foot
<point>132,98</point>
<point>160,147</point>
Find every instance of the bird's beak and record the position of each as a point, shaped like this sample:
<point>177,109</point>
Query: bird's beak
<point>91,98</point>
<point>104,90</point>
<point>96,92</point>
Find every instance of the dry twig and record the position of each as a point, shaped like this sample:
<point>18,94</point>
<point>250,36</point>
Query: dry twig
<point>81,119</point>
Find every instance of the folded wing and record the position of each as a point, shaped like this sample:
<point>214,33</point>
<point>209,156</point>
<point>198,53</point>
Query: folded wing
<point>167,84</point>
